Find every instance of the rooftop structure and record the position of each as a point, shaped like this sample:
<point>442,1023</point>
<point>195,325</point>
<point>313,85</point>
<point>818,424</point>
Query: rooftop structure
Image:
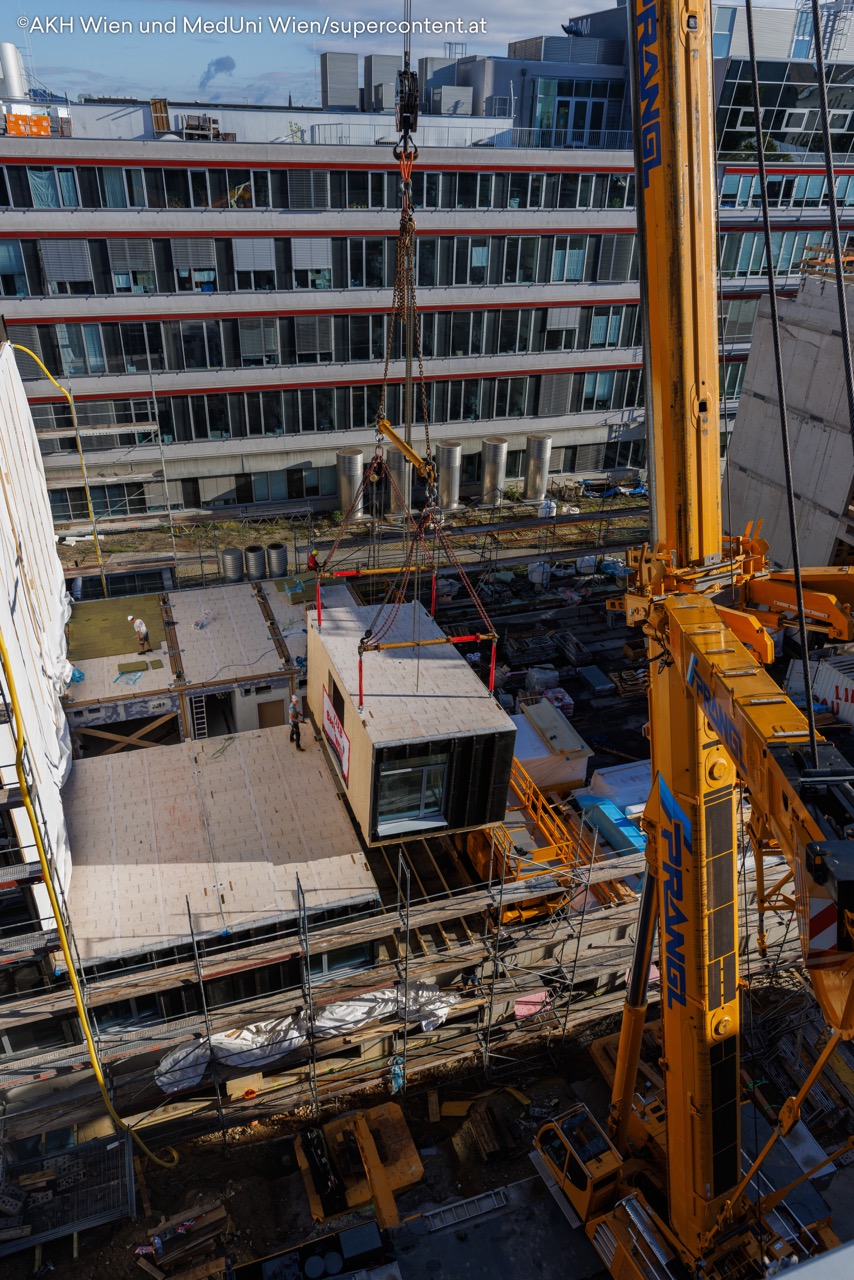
<point>425,747</point>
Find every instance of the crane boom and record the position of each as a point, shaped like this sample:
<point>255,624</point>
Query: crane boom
<point>716,720</point>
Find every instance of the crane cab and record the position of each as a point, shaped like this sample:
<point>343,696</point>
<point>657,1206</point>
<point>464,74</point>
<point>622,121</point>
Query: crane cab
<point>582,1161</point>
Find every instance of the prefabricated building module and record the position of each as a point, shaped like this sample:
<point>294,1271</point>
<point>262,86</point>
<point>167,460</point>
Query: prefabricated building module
<point>430,749</point>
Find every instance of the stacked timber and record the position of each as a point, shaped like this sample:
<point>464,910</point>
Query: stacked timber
<point>188,1246</point>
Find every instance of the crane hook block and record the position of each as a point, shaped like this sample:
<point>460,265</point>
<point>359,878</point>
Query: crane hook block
<point>406,106</point>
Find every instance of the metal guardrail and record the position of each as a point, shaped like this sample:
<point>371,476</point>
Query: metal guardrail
<point>499,134</point>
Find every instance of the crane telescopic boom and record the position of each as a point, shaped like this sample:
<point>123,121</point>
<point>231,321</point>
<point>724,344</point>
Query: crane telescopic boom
<point>667,1191</point>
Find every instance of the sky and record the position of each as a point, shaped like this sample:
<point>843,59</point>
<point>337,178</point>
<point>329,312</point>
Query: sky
<point>249,66</point>
<point>230,66</point>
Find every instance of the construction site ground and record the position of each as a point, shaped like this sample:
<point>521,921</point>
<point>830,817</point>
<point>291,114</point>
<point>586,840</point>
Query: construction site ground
<point>253,1170</point>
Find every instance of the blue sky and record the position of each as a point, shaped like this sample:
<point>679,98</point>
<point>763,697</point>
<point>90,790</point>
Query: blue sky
<point>259,68</point>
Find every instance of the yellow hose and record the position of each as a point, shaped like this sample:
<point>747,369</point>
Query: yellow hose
<point>63,936</point>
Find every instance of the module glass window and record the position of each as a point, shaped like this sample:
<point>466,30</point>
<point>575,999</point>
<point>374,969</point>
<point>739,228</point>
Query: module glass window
<point>585,1137</point>
<point>412,793</point>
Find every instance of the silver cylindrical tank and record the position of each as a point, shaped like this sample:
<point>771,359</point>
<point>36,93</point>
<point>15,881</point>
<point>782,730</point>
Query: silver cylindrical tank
<point>350,464</point>
<point>256,563</point>
<point>493,469</point>
<point>400,493</point>
<point>449,465</point>
<point>14,83</point>
<point>277,559</point>
<point>538,454</point>
<point>232,564</point>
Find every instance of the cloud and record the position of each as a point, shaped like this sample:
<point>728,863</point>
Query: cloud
<point>216,67</point>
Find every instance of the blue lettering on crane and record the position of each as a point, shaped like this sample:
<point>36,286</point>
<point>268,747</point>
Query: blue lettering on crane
<point>646,25</point>
<point>676,834</point>
<point>716,715</point>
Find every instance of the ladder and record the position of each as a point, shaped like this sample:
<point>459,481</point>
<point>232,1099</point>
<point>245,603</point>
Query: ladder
<point>198,716</point>
<point>464,1210</point>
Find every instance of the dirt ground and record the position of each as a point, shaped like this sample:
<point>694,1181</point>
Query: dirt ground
<point>255,1173</point>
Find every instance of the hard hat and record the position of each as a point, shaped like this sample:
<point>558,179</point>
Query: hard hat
<point>314,551</point>
<point>294,698</point>
<point>130,617</point>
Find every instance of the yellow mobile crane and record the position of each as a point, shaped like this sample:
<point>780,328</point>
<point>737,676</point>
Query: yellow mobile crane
<point>664,1192</point>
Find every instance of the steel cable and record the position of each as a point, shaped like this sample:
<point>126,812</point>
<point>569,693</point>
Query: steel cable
<point>781,388</point>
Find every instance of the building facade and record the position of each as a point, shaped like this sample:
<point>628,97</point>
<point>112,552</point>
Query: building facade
<point>219,304</point>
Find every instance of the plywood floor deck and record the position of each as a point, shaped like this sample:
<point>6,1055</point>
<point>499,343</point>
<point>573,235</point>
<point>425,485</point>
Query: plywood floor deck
<point>220,633</point>
<point>228,822</point>
<point>410,693</point>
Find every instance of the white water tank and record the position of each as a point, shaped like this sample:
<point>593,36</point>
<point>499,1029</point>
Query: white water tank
<point>14,80</point>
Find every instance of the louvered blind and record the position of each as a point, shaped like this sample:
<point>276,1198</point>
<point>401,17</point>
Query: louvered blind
<point>313,334</point>
<point>254,253</point>
<point>554,394</point>
<point>307,190</point>
<point>563,318</point>
<point>66,259</point>
<point>28,336</point>
<point>590,457</point>
<point>131,255</point>
<point>258,338</point>
<point>615,258</point>
<point>193,253</point>
<point>309,253</point>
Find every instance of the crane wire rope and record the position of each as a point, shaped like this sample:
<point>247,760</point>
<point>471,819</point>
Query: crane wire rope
<point>47,877</point>
<point>833,209</point>
<point>781,384</point>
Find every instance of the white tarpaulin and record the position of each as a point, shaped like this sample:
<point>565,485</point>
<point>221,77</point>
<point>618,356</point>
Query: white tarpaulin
<point>264,1042</point>
<point>34,608</point>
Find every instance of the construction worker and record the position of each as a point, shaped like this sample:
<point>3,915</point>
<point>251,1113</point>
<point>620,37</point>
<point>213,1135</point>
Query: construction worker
<point>295,719</point>
<point>312,561</point>
<point>141,633</point>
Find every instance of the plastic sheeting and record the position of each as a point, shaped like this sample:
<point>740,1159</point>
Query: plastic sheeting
<point>261,1043</point>
<point>34,608</point>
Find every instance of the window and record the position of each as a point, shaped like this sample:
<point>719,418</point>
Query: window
<point>80,349</point>
<point>132,266</point>
<point>802,38</point>
<point>552,1145</point>
<point>342,960</point>
<point>311,259</point>
<point>67,266</point>
<point>411,794</point>
<point>254,263</point>
<point>53,188</point>
<point>366,264</point>
<point>722,32</point>
<point>570,257</point>
<point>195,265</point>
<point>13,279</point>
<point>259,341</point>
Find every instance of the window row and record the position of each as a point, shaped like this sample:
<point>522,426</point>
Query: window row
<point>33,268</point>
<point>78,350</point>
<point>128,187</point>
<point>261,264</point>
<point>785,191</point>
<point>312,409</point>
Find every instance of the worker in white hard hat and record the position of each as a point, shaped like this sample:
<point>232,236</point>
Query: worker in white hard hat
<point>141,633</point>
<point>295,719</point>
